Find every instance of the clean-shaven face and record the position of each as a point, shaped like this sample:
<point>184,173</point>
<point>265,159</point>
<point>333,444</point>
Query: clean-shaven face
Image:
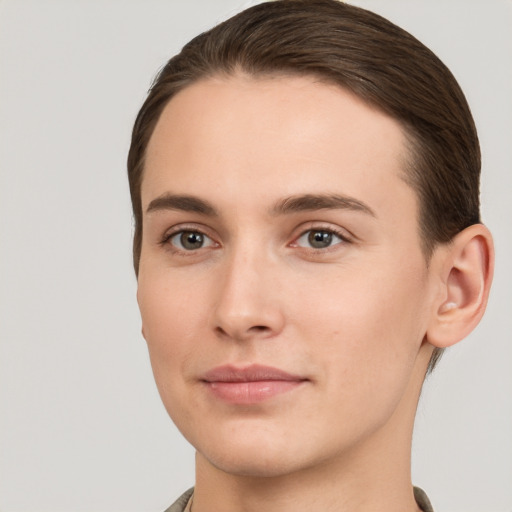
<point>283,291</point>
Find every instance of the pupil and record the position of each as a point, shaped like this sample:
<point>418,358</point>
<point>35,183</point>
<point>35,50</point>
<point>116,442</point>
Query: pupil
<point>191,240</point>
<point>320,239</point>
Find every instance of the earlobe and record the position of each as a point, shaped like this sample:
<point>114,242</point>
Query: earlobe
<point>466,274</point>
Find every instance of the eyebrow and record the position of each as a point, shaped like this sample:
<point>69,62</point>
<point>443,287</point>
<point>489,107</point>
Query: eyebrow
<point>311,202</point>
<point>183,203</point>
<point>293,204</point>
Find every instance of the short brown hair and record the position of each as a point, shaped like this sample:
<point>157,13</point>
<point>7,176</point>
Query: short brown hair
<point>359,51</point>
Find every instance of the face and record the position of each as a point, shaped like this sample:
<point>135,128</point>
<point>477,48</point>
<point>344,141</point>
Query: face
<point>283,292</point>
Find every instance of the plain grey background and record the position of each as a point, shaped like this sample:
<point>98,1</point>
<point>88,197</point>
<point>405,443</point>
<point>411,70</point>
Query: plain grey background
<point>81,425</point>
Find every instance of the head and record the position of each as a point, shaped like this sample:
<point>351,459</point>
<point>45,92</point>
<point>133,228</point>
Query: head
<point>318,59</point>
<point>361,52</point>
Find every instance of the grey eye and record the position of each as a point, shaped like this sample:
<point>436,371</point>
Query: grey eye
<point>318,239</point>
<point>190,240</point>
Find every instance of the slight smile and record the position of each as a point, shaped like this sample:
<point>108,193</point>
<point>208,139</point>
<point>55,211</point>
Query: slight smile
<point>251,384</point>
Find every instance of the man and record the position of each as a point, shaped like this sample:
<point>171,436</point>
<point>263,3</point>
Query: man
<point>304,180</point>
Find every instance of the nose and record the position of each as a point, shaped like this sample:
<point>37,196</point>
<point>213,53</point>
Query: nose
<point>248,303</point>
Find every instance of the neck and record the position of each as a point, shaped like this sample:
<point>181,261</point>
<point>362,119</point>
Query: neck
<point>372,476</point>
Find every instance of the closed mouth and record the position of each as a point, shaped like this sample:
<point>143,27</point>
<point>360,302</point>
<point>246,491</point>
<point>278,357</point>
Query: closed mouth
<point>251,384</point>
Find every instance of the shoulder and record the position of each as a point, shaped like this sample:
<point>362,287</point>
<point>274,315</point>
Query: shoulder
<point>180,504</point>
<point>422,500</point>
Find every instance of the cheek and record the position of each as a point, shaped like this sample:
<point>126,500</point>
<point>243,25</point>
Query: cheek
<point>367,328</point>
<point>170,320</point>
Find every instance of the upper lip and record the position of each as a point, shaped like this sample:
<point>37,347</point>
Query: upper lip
<point>251,373</point>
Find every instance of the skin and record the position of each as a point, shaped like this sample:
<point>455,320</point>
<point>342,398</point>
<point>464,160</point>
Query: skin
<point>349,317</point>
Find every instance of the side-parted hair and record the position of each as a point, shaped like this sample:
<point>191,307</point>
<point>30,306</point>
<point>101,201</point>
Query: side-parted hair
<point>359,51</point>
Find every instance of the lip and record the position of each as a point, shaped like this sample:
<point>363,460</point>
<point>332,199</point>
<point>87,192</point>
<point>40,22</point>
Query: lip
<point>251,384</point>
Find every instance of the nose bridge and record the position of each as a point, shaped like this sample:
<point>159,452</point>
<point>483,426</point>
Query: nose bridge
<point>247,302</point>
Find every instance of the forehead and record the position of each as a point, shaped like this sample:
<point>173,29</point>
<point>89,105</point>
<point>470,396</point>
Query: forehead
<point>273,135</point>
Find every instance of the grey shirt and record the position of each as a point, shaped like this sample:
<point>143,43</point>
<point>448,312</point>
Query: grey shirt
<point>181,504</point>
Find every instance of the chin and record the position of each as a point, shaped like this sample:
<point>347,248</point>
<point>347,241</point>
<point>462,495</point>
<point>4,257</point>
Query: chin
<point>256,463</point>
<point>261,454</point>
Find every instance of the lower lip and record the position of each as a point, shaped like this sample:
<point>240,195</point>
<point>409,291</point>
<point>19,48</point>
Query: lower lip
<point>252,392</point>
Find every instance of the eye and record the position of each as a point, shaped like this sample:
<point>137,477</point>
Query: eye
<point>319,239</point>
<point>190,240</point>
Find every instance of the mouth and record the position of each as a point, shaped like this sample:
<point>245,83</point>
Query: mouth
<point>250,384</point>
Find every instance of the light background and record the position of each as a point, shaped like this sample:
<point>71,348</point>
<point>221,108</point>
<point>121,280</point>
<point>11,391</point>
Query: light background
<point>81,425</point>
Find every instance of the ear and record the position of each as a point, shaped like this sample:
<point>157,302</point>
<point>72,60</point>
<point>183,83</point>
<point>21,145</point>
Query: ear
<point>465,274</point>
<point>138,303</point>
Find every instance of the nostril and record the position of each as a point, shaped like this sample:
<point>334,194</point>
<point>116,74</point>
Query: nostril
<point>259,328</point>
<point>242,334</point>
<point>219,330</point>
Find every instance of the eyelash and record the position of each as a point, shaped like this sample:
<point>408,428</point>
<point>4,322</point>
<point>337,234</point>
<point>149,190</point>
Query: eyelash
<point>167,239</point>
<point>342,235</point>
